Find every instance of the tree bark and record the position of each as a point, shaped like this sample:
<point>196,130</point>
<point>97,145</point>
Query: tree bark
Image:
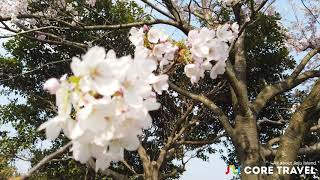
<point>150,168</point>
<point>247,146</point>
<point>299,125</point>
<point>152,172</point>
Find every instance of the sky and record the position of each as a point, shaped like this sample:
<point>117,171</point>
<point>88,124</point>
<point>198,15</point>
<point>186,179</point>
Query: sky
<point>215,167</point>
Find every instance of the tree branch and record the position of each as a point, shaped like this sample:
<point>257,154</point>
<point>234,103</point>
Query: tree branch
<point>46,160</point>
<point>306,114</point>
<point>211,105</point>
<point>304,62</point>
<point>271,91</point>
<point>266,120</point>
<point>174,135</point>
<point>310,149</point>
<point>203,142</point>
<point>35,69</point>
<point>97,27</point>
<point>158,9</point>
<point>33,30</point>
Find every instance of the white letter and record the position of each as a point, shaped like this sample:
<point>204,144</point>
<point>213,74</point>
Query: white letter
<point>256,170</point>
<point>247,170</point>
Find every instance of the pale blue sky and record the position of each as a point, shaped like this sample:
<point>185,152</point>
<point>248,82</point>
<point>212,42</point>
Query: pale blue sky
<point>196,169</point>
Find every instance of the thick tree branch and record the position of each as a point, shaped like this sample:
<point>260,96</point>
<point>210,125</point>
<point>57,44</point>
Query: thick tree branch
<point>304,62</point>
<point>271,91</point>
<point>237,88</point>
<point>97,27</point>
<point>315,128</point>
<point>181,24</point>
<point>299,125</point>
<point>308,150</point>
<point>313,149</point>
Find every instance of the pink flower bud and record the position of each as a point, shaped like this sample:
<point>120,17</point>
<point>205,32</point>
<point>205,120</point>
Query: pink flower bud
<point>146,28</point>
<point>51,85</point>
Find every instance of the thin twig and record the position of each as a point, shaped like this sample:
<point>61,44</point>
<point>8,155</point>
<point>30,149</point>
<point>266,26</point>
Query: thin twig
<point>46,160</point>
<point>33,70</point>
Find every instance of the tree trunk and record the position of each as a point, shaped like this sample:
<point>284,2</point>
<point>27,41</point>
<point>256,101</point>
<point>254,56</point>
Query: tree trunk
<point>152,172</point>
<point>248,147</point>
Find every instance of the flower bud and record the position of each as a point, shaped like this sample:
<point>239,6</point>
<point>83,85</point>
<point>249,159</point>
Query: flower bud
<point>51,85</point>
<point>146,28</point>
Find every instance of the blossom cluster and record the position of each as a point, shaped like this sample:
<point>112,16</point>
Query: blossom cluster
<point>207,49</point>
<point>161,49</point>
<point>13,8</point>
<point>304,33</point>
<point>209,45</point>
<point>105,105</point>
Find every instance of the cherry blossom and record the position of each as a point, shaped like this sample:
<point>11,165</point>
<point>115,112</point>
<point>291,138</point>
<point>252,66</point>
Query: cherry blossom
<point>91,3</point>
<point>205,45</point>
<point>196,71</point>
<point>165,53</point>
<point>159,83</point>
<point>51,85</point>
<point>96,72</point>
<point>208,45</point>
<point>224,33</point>
<point>13,8</point>
<point>217,69</point>
<point>111,98</point>
<point>155,35</point>
<point>136,36</point>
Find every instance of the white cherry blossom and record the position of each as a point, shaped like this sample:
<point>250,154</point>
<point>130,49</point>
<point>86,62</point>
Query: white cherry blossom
<point>136,36</point>
<point>52,85</point>
<point>96,72</point>
<point>224,33</point>
<point>111,97</point>
<point>155,35</point>
<point>218,68</point>
<point>196,71</point>
<point>91,3</point>
<point>230,2</point>
<point>159,83</point>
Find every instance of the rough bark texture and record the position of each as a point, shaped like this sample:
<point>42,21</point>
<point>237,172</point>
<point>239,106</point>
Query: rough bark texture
<point>247,145</point>
<point>299,124</point>
<point>152,172</point>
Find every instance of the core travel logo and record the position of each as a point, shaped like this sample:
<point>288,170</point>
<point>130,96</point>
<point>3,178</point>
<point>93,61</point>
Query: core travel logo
<point>235,170</point>
<point>278,167</point>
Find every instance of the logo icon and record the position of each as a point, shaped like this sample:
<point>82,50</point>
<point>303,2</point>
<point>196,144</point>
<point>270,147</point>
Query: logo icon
<point>233,169</point>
